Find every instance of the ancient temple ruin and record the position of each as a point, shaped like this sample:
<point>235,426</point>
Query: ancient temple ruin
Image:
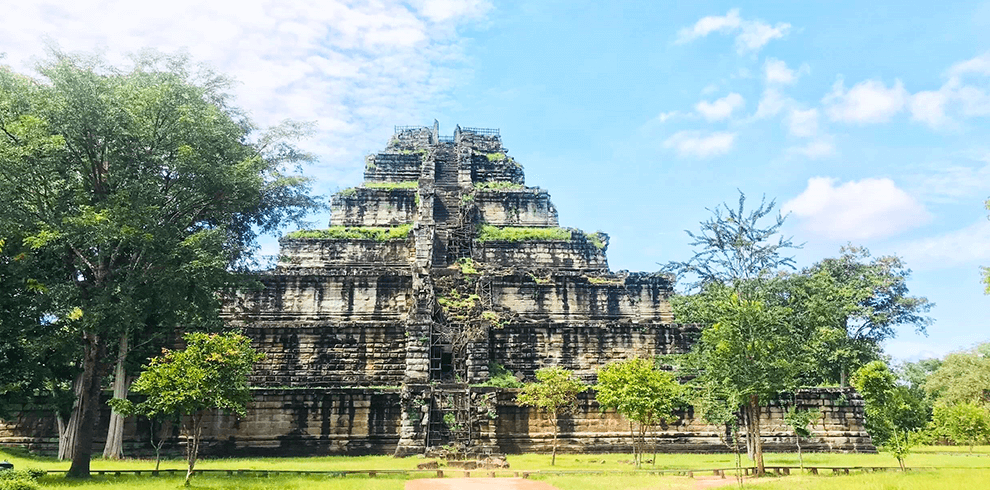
<point>381,330</point>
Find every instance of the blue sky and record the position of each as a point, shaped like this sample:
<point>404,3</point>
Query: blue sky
<point>868,123</point>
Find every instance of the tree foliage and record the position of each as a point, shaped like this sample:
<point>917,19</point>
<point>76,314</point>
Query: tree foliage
<point>140,193</point>
<point>800,421</point>
<point>640,392</point>
<point>891,414</point>
<point>964,423</point>
<point>962,377</point>
<point>734,246</point>
<point>554,394</point>
<point>210,373</point>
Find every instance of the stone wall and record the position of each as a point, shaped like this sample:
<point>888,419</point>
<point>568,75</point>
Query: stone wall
<point>485,170</point>
<point>589,429</point>
<point>573,255</point>
<point>325,296</point>
<point>524,207</point>
<point>329,355</point>
<point>393,167</point>
<point>315,253</point>
<point>583,347</point>
<point>304,422</point>
<point>363,206</point>
<point>575,297</point>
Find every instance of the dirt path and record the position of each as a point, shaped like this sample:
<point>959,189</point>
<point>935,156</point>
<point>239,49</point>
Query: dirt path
<point>702,482</point>
<point>477,484</point>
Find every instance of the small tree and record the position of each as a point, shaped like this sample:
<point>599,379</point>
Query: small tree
<point>210,373</point>
<point>800,421</point>
<point>964,423</point>
<point>555,394</point>
<point>640,392</point>
<point>889,415</point>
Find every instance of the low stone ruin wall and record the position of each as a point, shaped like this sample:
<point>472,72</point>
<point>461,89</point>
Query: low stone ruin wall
<point>311,422</point>
<point>373,207</point>
<point>574,255</point>
<point>524,207</point>
<point>315,253</point>
<point>591,430</point>
<point>583,348</point>
<point>393,167</point>
<point>279,422</point>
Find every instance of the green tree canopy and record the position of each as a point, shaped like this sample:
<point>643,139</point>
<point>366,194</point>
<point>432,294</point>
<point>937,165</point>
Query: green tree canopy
<point>962,377</point>
<point>891,413</point>
<point>554,394</point>
<point>141,193</point>
<point>640,392</point>
<point>210,373</point>
<point>965,423</point>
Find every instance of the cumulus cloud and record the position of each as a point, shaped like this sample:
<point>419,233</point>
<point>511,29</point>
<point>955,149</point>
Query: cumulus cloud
<point>979,65</point>
<point>751,35</point>
<point>720,108</point>
<point>869,101</point>
<point>969,245</point>
<point>771,103</point>
<point>813,149</point>
<point>802,123</point>
<point>776,71</point>
<point>856,210</point>
<point>354,68</point>
<point>700,145</point>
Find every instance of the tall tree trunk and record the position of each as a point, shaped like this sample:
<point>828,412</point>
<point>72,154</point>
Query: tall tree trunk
<point>843,377</point>
<point>114,449</point>
<point>750,445</point>
<point>754,407</point>
<point>87,410</point>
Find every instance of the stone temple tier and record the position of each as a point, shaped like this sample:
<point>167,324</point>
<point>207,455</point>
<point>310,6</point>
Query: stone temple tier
<point>381,330</point>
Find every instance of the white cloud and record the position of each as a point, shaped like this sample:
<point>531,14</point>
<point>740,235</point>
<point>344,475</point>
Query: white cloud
<point>813,149</point>
<point>354,68</point>
<point>666,116</point>
<point>772,102</point>
<point>751,35</point>
<point>869,101</point>
<point>700,145</point>
<point>929,107</point>
<point>951,183</point>
<point>720,108</point>
<point>856,210</point>
<point>969,245</point>
<point>776,71</point>
<point>802,123</point>
<point>979,65</point>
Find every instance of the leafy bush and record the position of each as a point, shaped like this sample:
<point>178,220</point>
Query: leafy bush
<point>20,479</point>
<point>495,157</point>
<point>18,484</point>
<point>490,233</point>
<point>379,234</point>
<point>407,184</point>
<point>499,377</point>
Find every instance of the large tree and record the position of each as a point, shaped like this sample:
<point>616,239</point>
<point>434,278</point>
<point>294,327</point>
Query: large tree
<point>150,189</point>
<point>859,301</point>
<point>751,347</point>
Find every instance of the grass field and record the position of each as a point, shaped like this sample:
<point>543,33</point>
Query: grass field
<point>957,469</point>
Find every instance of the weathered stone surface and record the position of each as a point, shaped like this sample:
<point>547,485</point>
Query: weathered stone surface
<point>516,207</point>
<point>363,206</point>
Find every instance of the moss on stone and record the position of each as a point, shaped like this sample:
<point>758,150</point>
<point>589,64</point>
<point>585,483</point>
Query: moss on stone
<point>489,233</point>
<point>380,234</point>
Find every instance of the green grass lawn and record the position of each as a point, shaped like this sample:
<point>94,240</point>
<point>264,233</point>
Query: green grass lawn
<point>959,469</point>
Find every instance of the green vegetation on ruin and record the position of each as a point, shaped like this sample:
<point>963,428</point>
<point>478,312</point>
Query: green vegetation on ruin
<point>379,234</point>
<point>389,186</point>
<point>496,157</point>
<point>597,239</point>
<point>489,233</point>
<point>498,186</point>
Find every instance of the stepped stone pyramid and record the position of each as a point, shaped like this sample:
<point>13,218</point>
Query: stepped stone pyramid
<point>440,267</point>
<point>381,331</point>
